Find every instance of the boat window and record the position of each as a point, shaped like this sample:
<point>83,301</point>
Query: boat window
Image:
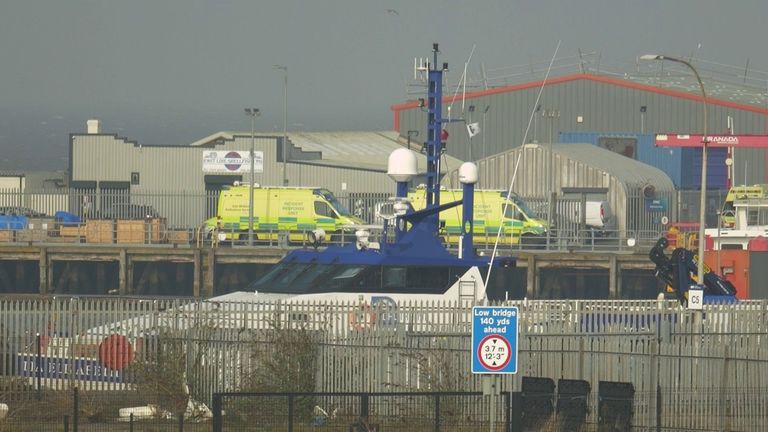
<point>394,278</point>
<point>349,272</point>
<point>752,217</point>
<point>276,272</point>
<point>290,276</point>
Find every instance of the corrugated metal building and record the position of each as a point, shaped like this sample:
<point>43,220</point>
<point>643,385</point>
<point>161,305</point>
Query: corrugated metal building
<point>635,103</point>
<point>639,194</point>
<point>682,164</point>
<point>346,163</point>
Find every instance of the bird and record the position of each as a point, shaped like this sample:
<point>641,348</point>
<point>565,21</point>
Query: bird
<point>392,11</point>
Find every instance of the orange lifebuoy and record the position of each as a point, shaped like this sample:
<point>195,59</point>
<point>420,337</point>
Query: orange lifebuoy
<point>362,317</point>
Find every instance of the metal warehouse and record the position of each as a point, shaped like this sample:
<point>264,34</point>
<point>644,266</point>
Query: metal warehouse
<point>639,194</point>
<point>182,182</point>
<point>648,100</point>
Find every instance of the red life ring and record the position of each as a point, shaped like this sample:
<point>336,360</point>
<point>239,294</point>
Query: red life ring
<point>362,317</point>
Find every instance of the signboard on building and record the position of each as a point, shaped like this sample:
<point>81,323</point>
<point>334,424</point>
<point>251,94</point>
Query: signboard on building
<point>693,140</point>
<point>656,205</point>
<point>232,161</point>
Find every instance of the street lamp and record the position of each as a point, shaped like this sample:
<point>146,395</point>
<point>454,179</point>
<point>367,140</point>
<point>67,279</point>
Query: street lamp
<point>252,113</point>
<point>702,204</point>
<point>285,118</point>
<point>550,115</point>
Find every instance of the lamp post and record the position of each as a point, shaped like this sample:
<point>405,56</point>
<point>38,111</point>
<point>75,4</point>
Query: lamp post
<point>705,140</point>
<point>285,119</point>
<point>485,111</point>
<point>550,115</point>
<point>252,113</point>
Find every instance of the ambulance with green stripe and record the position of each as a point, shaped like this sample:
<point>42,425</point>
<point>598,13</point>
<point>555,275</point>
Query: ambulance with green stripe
<point>297,210</point>
<point>520,225</point>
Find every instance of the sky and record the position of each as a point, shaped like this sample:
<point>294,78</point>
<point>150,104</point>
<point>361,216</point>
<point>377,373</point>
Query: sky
<point>175,71</point>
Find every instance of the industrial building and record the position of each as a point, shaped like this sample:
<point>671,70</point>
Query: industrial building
<point>617,112</point>
<point>182,182</point>
<point>639,194</point>
<point>614,109</point>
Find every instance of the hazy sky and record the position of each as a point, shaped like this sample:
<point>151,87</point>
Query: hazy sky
<point>173,71</point>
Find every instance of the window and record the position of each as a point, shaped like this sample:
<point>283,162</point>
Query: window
<point>513,212</point>
<point>323,209</point>
<point>622,146</point>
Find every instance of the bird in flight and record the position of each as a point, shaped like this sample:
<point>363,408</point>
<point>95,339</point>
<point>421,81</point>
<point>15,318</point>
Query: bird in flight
<point>392,11</point>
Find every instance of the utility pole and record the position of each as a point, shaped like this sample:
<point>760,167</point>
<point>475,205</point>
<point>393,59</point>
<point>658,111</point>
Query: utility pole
<point>252,113</point>
<point>285,121</point>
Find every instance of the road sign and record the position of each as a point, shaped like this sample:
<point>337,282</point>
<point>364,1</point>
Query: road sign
<point>695,298</point>
<point>494,339</point>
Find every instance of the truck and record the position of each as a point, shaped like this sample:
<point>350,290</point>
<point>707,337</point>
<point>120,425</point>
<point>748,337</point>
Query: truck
<point>519,223</point>
<point>598,216</point>
<point>296,210</point>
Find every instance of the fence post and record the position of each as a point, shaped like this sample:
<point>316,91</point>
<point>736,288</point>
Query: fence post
<point>658,408</point>
<point>364,404</point>
<point>516,412</point>
<point>181,422</point>
<point>216,413</point>
<point>66,423</point>
<point>39,367</point>
<point>76,409</point>
<point>290,413</point>
<point>507,396</point>
<point>654,380</point>
<point>130,423</point>
<point>437,413</point>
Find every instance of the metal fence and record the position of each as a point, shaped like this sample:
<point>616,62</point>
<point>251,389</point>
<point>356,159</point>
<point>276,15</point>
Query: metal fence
<point>177,220</point>
<point>391,411</point>
<point>688,370</point>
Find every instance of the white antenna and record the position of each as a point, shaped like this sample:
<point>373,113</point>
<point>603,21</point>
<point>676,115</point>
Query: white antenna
<point>462,80</point>
<point>420,69</point>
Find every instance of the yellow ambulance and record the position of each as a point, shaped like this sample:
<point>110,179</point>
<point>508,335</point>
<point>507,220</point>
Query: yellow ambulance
<point>296,210</point>
<point>519,222</point>
<point>728,213</point>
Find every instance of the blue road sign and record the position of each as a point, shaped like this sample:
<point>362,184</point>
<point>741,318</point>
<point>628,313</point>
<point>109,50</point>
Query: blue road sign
<point>494,340</point>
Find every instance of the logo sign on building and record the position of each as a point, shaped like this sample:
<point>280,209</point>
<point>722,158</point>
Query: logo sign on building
<point>656,205</point>
<point>232,161</point>
<point>692,140</point>
<point>494,340</point>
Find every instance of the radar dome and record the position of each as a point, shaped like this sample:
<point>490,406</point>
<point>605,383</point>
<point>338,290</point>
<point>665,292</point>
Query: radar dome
<point>468,173</point>
<point>402,165</point>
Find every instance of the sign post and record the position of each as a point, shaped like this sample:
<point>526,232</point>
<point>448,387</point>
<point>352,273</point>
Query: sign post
<point>494,346</point>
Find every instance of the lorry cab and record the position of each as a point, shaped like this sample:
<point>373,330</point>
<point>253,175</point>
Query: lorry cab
<point>296,210</point>
<point>519,223</point>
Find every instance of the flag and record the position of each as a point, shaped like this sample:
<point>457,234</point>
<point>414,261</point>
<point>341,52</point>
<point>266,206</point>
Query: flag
<point>473,129</point>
